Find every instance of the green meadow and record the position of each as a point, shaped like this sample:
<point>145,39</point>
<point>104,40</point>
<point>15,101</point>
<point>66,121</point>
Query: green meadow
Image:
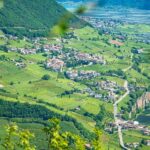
<point>26,85</point>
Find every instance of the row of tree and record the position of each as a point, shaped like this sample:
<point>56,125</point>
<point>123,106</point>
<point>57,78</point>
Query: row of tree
<point>19,139</point>
<point>25,110</point>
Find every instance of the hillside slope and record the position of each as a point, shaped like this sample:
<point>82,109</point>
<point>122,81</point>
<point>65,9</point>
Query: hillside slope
<point>25,17</point>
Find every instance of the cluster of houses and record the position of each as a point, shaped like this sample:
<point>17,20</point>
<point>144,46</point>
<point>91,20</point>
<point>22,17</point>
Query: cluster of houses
<point>135,145</point>
<point>99,23</point>
<point>80,75</point>
<point>92,93</point>
<point>55,64</point>
<point>131,125</point>
<point>111,87</point>
<point>108,85</point>
<point>46,48</point>
<point>96,59</point>
<point>52,47</point>
<point>106,97</point>
<point>37,45</point>
<point>24,51</point>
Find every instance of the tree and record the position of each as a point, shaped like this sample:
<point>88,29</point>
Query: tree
<point>55,139</point>
<point>60,141</point>
<point>17,139</point>
<point>98,142</point>
<point>46,77</point>
<point>78,142</point>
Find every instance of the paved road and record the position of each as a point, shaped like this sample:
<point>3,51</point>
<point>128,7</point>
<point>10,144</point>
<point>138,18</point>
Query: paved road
<point>116,112</point>
<point>116,107</point>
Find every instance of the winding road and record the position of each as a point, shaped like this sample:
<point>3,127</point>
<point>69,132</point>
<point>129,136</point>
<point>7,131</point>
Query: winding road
<point>116,108</point>
<point>116,112</point>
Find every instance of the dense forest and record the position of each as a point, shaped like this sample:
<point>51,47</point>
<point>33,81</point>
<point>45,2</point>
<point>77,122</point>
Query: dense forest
<point>32,18</point>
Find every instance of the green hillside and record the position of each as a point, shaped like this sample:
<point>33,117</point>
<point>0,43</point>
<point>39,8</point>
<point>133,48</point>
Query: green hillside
<point>25,17</point>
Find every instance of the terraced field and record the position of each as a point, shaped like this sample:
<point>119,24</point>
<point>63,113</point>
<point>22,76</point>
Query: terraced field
<point>25,85</point>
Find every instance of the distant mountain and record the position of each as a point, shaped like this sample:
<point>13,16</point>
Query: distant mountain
<point>31,17</point>
<point>141,4</point>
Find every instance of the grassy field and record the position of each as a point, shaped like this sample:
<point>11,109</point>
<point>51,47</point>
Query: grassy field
<point>145,68</point>
<point>27,81</point>
<point>19,43</point>
<point>138,78</point>
<point>138,28</point>
<point>26,85</point>
<point>123,103</point>
<point>134,136</point>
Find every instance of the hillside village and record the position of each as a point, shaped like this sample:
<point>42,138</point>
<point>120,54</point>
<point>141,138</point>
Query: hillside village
<point>76,68</point>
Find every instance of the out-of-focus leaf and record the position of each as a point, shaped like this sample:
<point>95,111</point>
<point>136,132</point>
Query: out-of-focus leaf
<point>63,25</point>
<point>1,3</point>
<point>60,29</point>
<point>81,9</point>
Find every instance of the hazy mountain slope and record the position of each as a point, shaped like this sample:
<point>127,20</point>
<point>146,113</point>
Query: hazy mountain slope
<point>141,4</point>
<point>28,16</point>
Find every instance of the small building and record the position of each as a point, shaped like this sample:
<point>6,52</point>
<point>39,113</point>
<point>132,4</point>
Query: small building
<point>72,74</point>
<point>136,123</point>
<point>146,132</point>
<point>88,146</point>
<point>147,142</point>
<point>20,65</point>
<point>132,145</point>
<point>138,51</point>
<point>55,64</point>
<point>115,42</point>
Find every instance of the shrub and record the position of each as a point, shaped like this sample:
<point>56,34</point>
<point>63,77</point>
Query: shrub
<point>46,77</point>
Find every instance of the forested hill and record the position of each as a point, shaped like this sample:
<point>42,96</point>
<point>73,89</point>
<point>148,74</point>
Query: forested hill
<point>30,17</point>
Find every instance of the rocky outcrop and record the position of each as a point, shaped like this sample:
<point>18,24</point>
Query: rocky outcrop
<point>142,102</point>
